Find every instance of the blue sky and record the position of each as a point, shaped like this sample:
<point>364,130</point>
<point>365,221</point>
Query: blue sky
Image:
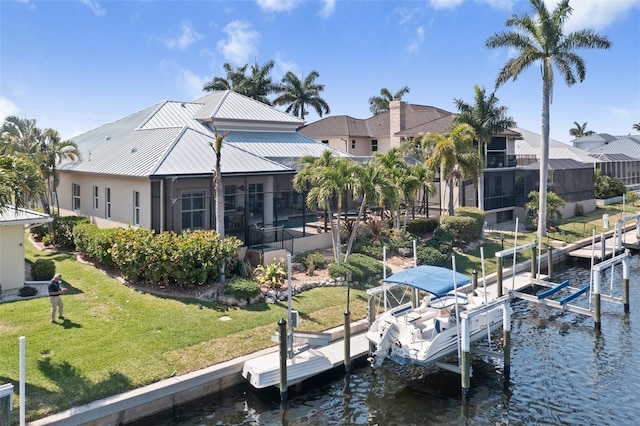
<point>74,65</point>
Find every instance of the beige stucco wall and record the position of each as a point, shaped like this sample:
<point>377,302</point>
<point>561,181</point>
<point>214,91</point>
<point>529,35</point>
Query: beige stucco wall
<point>12,256</point>
<point>122,189</point>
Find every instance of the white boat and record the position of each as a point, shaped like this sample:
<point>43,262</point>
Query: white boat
<point>425,330</point>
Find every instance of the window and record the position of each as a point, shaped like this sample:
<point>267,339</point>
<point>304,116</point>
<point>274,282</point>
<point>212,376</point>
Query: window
<point>193,210</point>
<point>353,144</point>
<point>136,208</point>
<point>325,141</point>
<point>95,198</point>
<point>256,197</point>
<point>107,203</point>
<point>76,197</point>
<point>229,197</point>
<point>374,145</point>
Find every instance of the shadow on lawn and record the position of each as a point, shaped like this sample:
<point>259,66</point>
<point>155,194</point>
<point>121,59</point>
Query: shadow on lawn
<point>75,388</point>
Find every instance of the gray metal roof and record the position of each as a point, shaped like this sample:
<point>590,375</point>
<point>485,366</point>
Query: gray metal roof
<point>613,157</point>
<point>560,164</point>
<point>628,145</point>
<point>530,145</point>
<point>166,139</point>
<point>11,216</point>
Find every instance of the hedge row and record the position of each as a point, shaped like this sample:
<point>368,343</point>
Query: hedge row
<point>362,268</point>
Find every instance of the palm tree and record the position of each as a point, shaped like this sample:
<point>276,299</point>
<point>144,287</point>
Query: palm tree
<point>297,94</point>
<point>235,80</point>
<point>487,119</point>
<point>218,189</point>
<point>258,85</point>
<point>540,39</point>
<point>580,130</point>
<point>453,156</point>
<point>20,135</point>
<point>636,127</point>
<point>326,178</point>
<point>20,180</point>
<point>378,104</point>
<point>55,151</point>
<point>397,170</point>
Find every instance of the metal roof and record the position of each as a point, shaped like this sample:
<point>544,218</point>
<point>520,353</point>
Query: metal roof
<point>613,157</point>
<point>629,145</point>
<point>560,164</point>
<point>530,145</point>
<point>278,144</point>
<point>12,216</point>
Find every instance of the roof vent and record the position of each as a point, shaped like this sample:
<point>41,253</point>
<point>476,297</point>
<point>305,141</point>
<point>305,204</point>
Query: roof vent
<point>134,150</point>
<point>107,138</point>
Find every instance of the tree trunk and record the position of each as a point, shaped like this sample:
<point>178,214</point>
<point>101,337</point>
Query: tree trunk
<point>352,237</point>
<point>544,151</point>
<point>482,150</point>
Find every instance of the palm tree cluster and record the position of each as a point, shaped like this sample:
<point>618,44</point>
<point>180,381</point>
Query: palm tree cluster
<point>378,104</point>
<point>29,160</point>
<point>385,180</point>
<point>256,83</point>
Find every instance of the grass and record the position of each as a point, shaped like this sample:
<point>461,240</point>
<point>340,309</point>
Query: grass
<point>116,338</point>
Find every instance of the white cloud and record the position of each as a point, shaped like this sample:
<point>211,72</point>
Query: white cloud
<point>500,4</point>
<point>240,43</point>
<point>190,82</point>
<point>595,15</point>
<point>417,40</point>
<point>328,7</point>
<point>278,5</point>
<point>185,39</point>
<point>95,7</point>
<point>283,66</point>
<point>445,4</point>
<point>7,108</point>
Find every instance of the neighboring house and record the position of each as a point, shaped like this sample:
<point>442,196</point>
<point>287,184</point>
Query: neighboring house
<point>619,155</point>
<point>596,140</point>
<point>404,121</point>
<point>155,168</point>
<point>12,231</point>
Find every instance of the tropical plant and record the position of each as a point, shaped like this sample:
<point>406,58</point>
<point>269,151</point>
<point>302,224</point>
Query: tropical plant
<point>554,206</point>
<point>580,131</point>
<point>636,127</point>
<point>257,85</point>
<point>453,156</point>
<point>55,152</point>
<point>218,188</point>
<point>487,119</point>
<point>20,181</point>
<point>378,104</point>
<point>273,274</point>
<point>298,93</point>
<point>541,40</point>
<point>607,186</point>
<point>234,80</point>
<point>20,135</point>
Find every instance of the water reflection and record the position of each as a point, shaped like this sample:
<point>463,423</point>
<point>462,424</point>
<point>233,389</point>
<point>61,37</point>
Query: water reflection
<point>563,371</point>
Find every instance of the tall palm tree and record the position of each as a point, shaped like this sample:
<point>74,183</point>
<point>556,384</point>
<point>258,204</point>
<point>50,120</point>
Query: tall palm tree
<point>580,131</point>
<point>218,189</point>
<point>636,127</point>
<point>453,156</point>
<point>397,170</point>
<point>378,104</point>
<point>540,39</point>
<point>487,119</point>
<point>298,94</point>
<point>258,85</point>
<point>55,152</point>
<point>234,80</point>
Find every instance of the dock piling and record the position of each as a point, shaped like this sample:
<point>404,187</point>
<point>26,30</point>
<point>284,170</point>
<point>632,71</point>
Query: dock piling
<point>506,340</point>
<point>284,390</point>
<point>465,368</point>
<point>499,276</point>
<point>550,262</point>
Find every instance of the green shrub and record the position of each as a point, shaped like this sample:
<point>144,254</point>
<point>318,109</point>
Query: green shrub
<point>427,255</point>
<point>361,267</point>
<point>27,291</point>
<point>311,260</point>
<point>62,227</point>
<point>94,243</point>
<point>477,215</point>
<point>422,226</point>
<point>241,288</point>
<point>273,274</point>
<point>442,240</point>
<point>368,248</point>
<point>43,270</point>
<point>463,228</point>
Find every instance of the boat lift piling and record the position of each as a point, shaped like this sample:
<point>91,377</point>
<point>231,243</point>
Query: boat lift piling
<point>284,390</point>
<point>513,251</point>
<point>597,272</point>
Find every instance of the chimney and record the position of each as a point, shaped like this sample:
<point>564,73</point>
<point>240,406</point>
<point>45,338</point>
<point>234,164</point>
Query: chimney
<point>396,121</point>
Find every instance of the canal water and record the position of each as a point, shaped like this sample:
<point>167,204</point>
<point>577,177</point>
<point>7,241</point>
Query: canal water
<point>563,372</point>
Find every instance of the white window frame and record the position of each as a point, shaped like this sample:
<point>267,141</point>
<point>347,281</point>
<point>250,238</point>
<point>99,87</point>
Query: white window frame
<point>107,203</point>
<point>96,198</point>
<point>136,208</point>
<point>75,197</point>
<point>193,195</point>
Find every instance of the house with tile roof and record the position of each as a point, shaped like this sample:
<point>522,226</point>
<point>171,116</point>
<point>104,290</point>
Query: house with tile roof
<point>155,168</point>
<point>402,122</point>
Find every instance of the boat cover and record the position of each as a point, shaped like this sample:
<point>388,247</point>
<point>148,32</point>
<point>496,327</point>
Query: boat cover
<point>434,279</point>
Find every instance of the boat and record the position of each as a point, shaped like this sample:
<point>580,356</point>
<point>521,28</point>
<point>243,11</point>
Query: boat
<point>425,329</point>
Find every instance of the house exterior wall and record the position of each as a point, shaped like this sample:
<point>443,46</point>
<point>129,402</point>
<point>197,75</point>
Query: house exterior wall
<point>12,257</point>
<point>122,198</point>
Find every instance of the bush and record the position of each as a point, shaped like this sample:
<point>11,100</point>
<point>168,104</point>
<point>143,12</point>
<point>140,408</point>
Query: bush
<point>62,227</point>
<point>427,255</point>
<point>462,228</point>
<point>368,248</point>
<point>27,291</point>
<point>608,187</point>
<point>361,267</point>
<point>241,288</point>
<point>422,226</point>
<point>476,214</point>
<point>272,275</point>
<point>94,243</point>
<point>311,260</point>
<point>43,270</point>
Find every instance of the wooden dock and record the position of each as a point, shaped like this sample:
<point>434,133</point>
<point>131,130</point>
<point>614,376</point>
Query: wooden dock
<point>629,241</point>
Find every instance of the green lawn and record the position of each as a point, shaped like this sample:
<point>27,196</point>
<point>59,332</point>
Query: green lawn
<point>116,338</point>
